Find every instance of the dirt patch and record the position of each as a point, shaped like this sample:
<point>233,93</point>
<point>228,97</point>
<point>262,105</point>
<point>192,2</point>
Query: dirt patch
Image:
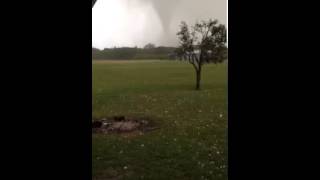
<point>127,126</point>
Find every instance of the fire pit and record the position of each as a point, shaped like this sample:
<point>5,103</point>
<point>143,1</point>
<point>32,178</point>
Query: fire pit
<point>122,124</point>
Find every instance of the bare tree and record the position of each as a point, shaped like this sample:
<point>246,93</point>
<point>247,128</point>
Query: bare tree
<point>205,42</point>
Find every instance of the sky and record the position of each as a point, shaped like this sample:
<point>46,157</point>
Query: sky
<point>118,23</point>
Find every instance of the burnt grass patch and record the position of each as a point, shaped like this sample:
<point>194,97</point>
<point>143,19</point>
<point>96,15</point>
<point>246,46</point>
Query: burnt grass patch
<point>123,125</point>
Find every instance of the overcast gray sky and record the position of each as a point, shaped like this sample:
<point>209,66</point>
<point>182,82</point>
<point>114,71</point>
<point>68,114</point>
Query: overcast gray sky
<point>138,22</point>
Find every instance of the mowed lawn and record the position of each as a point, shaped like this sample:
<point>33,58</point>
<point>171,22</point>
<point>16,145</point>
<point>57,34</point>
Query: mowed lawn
<point>191,142</point>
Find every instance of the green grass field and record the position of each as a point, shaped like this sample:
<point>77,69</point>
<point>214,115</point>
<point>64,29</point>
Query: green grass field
<point>192,140</point>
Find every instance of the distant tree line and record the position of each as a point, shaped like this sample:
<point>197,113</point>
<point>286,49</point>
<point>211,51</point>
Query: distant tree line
<point>150,51</point>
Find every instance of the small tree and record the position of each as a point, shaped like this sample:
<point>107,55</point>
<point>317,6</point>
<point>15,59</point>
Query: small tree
<point>204,43</point>
<point>149,46</point>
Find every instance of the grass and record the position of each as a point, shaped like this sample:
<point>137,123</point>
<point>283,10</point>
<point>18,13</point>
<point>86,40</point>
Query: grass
<point>192,140</point>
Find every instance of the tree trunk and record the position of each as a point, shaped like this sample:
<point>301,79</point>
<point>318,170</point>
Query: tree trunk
<point>198,78</point>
